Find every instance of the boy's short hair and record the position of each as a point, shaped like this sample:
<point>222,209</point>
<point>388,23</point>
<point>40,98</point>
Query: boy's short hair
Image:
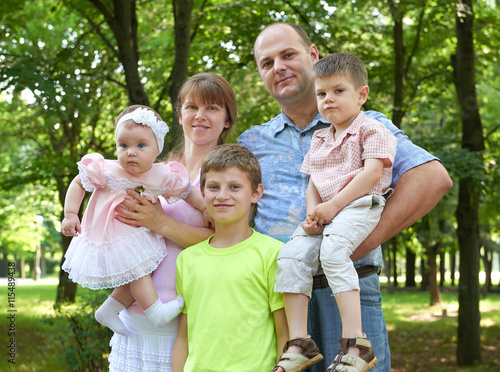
<point>232,155</point>
<point>341,64</point>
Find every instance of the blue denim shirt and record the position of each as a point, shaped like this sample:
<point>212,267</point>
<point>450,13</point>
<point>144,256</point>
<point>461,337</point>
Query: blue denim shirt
<point>281,147</point>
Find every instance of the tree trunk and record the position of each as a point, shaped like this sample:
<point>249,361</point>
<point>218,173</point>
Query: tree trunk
<point>435,294</point>
<point>399,64</point>
<point>124,25</point>
<point>22,267</point>
<point>487,258</point>
<point>431,250</point>
<point>182,16</point>
<point>387,265</point>
<point>442,270</point>
<point>38,270</point>
<point>394,245</point>
<point>410,268</point>
<point>3,262</point>
<point>424,272</point>
<point>66,289</point>
<point>453,267</point>
<point>469,344</point>
<point>43,263</point>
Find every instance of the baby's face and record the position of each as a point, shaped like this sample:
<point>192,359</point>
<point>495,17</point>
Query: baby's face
<point>136,147</point>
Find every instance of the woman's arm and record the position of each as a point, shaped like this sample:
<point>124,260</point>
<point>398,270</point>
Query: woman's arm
<point>195,199</point>
<point>417,191</point>
<point>181,350</point>
<point>142,212</point>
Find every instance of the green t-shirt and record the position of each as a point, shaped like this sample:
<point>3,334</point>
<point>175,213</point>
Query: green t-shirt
<point>229,301</point>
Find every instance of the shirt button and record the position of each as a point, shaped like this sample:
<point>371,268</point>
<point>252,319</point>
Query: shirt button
<point>303,134</point>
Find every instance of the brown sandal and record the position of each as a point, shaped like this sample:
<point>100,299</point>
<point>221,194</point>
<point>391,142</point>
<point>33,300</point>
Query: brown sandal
<point>294,362</point>
<point>344,362</point>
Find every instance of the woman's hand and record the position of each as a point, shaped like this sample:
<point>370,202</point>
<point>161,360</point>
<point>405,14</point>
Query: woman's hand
<point>140,212</point>
<point>209,220</point>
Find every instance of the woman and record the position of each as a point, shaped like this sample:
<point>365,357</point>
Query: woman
<point>207,110</point>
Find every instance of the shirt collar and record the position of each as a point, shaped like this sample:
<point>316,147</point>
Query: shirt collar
<point>284,121</point>
<point>352,129</point>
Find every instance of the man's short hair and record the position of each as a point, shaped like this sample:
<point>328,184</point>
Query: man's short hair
<point>299,30</point>
<point>232,155</point>
<point>341,64</point>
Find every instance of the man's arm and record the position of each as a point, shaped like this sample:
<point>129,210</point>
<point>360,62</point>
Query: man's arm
<point>181,350</point>
<point>417,191</point>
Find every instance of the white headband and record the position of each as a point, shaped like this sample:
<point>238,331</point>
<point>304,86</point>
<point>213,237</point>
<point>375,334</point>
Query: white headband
<point>147,117</point>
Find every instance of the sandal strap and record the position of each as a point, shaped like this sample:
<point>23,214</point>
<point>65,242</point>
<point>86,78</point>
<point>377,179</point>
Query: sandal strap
<point>358,341</point>
<point>291,360</point>
<point>300,342</point>
<point>344,362</point>
<point>309,347</point>
<point>348,363</point>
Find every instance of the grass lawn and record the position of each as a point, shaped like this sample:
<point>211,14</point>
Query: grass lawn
<point>421,338</point>
<point>33,352</point>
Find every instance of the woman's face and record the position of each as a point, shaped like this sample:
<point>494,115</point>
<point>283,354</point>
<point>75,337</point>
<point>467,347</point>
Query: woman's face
<point>202,123</point>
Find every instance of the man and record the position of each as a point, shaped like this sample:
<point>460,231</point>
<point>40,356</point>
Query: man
<point>284,56</point>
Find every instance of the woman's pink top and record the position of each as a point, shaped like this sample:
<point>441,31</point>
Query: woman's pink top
<point>164,275</point>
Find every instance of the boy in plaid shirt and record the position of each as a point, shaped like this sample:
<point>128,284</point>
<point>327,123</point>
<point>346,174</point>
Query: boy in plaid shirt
<point>350,168</point>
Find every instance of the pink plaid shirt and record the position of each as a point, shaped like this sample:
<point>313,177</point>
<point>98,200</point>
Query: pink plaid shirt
<point>332,164</point>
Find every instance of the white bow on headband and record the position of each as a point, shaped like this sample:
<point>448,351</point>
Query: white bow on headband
<point>147,117</point>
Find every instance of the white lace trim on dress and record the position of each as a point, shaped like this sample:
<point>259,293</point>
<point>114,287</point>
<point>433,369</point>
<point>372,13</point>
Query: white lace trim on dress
<point>110,264</point>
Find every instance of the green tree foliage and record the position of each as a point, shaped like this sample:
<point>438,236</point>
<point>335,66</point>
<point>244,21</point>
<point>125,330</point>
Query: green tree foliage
<point>64,82</point>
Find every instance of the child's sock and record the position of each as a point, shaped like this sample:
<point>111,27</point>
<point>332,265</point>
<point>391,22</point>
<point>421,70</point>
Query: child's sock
<point>160,313</point>
<point>107,315</point>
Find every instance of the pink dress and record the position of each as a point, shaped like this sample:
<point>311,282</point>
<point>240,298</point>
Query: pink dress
<point>149,348</point>
<point>109,253</point>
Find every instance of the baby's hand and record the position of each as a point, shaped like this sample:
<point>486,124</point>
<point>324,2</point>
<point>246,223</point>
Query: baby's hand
<point>312,227</point>
<point>71,225</point>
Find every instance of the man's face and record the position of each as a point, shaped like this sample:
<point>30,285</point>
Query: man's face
<point>285,64</point>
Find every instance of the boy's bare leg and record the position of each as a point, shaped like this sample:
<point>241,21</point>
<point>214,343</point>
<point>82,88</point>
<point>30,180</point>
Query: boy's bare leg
<point>296,317</point>
<point>350,314</point>
<point>296,305</point>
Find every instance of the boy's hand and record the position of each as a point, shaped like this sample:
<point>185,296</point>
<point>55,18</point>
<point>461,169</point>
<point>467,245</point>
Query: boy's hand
<point>311,227</point>
<point>71,225</point>
<point>323,213</point>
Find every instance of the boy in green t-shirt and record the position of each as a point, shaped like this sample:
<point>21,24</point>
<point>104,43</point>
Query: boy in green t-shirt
<point>232,318</point>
